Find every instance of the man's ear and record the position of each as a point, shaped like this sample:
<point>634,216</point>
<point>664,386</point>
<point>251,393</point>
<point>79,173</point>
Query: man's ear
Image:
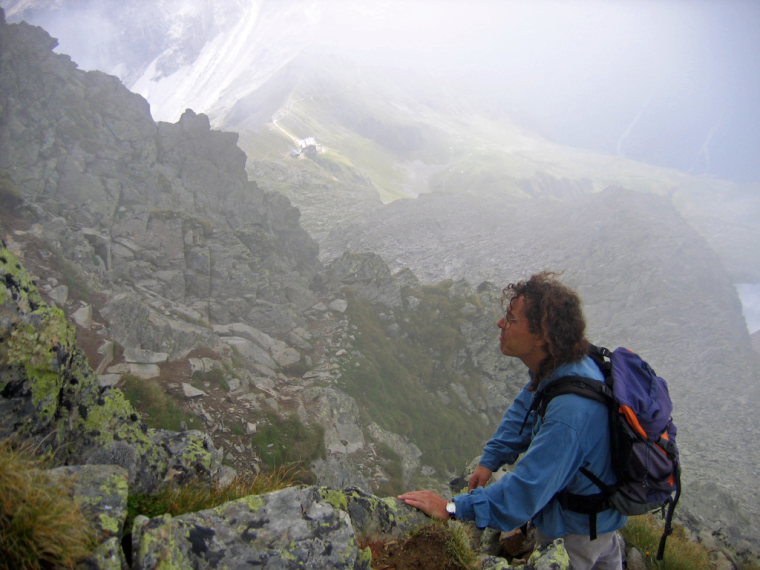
<point>541,338</point>
<point>542,344</point>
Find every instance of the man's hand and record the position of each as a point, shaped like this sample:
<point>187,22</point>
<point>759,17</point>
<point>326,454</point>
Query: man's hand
<point>430,503</point>
<point>480,477</point>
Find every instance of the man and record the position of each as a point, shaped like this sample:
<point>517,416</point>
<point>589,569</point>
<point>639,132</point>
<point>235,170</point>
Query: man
<point>543,327</point>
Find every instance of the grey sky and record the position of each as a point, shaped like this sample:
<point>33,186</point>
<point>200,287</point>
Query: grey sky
<point>672,82</point>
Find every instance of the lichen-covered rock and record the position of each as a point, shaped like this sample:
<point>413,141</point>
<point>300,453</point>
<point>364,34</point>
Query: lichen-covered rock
<point>494,563</point>
<point>375,517</point>
<point>49,393</point>
<point>291,528</point>
<point>190,454</point>
<point>552,556</point>
<point>386,518</point>
<point>108,555</point>
<point>101,491</point>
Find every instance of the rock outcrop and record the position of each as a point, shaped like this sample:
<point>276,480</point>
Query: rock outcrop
<point>49,394</point>
<point>166,209</point>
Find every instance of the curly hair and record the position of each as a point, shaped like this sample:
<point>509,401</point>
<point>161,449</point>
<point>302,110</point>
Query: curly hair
<point>555,312</point>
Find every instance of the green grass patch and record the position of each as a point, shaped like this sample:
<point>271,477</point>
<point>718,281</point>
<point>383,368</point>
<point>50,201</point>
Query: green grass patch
<point>349,145</point>
<point>41,525</point>
<point>404,382</point>
<point>284,442</point>
<point>644,532</point>
<point>215,376</point>
<point>158,409</point>
<point>460,545</point>
<point>199,496</point>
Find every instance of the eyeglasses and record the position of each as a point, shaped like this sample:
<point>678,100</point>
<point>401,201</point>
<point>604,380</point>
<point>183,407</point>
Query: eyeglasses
<point>509,321</point>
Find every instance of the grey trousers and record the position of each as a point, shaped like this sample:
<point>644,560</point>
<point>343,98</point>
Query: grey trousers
<point>603,553</point>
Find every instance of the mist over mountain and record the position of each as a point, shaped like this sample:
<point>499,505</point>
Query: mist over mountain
<point>668,83</point>
<point>407,98</point>
<point>189,241</point>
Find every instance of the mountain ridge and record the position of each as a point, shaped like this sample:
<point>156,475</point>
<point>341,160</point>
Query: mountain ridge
<point>481,152</point>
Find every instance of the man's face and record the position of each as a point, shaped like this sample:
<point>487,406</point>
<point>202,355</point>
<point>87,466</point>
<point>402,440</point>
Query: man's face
<point>516,338</point>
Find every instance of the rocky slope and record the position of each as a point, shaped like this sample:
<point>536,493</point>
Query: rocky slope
<point>183,201</point>
<point>173,264</point>
<point>385,135</point>
<point>50,394</point>
<point>56,402</point>
<point>179,270</point>
<point>649,281</point>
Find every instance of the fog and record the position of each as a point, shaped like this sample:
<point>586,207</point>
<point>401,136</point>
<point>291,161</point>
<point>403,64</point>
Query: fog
<point>673,83</point>
<point>670,82</point>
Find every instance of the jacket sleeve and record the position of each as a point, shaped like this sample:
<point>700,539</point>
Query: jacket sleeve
<point>551,462</point>
<point>510,440</point>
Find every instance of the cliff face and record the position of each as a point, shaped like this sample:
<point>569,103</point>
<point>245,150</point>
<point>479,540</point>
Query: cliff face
<point>167,207</point>
<point>173,265</point>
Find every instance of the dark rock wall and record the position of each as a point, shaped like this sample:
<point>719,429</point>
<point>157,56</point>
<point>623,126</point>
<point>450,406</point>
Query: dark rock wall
<point>166,206</point>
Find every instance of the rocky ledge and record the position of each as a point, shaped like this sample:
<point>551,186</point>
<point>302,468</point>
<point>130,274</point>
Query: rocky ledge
<point>49,395</point>
<point>296,527</point>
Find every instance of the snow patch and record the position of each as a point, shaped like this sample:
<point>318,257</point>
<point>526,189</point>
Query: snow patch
<point>232,64</point>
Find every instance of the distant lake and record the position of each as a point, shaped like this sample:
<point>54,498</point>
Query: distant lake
<point>749,293</point>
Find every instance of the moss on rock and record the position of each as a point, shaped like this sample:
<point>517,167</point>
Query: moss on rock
<point>56,399</point>
<point>373,516</point>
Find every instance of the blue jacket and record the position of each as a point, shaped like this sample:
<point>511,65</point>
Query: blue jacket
<point>572,434</point>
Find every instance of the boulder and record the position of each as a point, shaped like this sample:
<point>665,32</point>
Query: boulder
<point>374,517</point>
<point>338,305</point>
<point>290,528</point>
<point>132,354</point>
<point>202,364</point>
<point>102,491</point>
<point>336,412</point>
<point>59,294</point>
<point>285,355</point>
<point>191,391</point>
<point>83,316</point>
<point>250,351</point>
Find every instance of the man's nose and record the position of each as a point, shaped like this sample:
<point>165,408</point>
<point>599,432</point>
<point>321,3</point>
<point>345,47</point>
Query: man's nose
<point>502,322</point>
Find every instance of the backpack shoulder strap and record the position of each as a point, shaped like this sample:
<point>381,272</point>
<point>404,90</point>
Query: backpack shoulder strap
<point>579,385</point>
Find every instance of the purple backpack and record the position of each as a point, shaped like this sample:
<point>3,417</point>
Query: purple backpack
<point>642,434</point>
